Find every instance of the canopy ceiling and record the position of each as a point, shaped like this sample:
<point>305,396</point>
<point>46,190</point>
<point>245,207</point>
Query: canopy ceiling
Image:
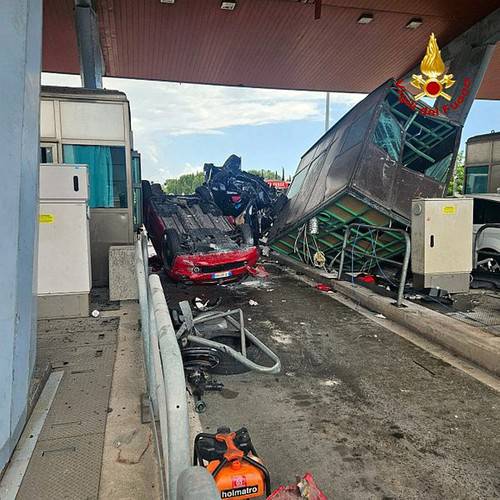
<point>265,43</point>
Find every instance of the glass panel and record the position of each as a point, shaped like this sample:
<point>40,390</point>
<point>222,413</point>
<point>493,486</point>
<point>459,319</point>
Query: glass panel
<point>439,170</point>
<point>388,135</point>
<point>297,183</point>
<point>137,190</point>
<point>136,167</point>
<point>476,180</point>
<point>46,154</point>
<point>486,211</point>
<point>107,173</point>
<point>356,132</point>
<point>426,140</point>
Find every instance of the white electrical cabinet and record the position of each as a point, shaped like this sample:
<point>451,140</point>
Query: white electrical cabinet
<point>441,243</point>
<point>64,271</point>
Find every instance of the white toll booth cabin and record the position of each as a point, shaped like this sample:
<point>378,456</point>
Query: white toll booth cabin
<point>92,127</point>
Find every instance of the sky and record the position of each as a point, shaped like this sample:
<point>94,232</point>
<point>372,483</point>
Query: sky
<point>179,127</point>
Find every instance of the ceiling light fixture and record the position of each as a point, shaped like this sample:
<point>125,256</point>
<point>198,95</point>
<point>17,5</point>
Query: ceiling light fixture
<point>228,5</point>
<point>414,23</point>
<point>365,18</point>
<point>167,1</point>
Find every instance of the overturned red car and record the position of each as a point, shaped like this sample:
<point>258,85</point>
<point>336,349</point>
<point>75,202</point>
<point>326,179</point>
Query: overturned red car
<point>196,243</point>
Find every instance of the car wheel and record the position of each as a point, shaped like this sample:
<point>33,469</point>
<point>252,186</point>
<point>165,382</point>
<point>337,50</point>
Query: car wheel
<point>170,247</point>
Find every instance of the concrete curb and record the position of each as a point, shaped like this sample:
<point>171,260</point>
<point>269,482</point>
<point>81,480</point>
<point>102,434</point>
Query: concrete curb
<point>469,342</point>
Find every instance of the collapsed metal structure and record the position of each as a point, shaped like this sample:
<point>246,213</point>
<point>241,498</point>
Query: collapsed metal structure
<point>386,151</point>
<point>366,169</point>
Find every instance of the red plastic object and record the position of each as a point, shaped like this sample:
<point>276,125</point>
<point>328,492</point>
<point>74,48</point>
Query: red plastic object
<point>305,488</point>
<point>322,287</point>
<point>220,267</point>
<point>368,278</point>
<point>258,271</point>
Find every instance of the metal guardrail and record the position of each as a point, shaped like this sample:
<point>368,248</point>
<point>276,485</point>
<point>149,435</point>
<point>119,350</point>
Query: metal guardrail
<point>167,386</point>
<point>476,239</point>
<point>406,260</point>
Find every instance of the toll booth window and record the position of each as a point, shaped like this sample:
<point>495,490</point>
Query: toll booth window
<point>424,143</point>
<point>46,154</point>
<point>356,132</point>
<point>439,170</point>
<point>136,189</point>
<point>486,211</point>
<point>107,173</point>
<point>297,183</point>
<point>476,180</point>
<point>427,146</point>
<point>388,135</point>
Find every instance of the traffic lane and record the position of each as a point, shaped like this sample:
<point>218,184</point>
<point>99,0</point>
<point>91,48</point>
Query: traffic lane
<point>371,415</point>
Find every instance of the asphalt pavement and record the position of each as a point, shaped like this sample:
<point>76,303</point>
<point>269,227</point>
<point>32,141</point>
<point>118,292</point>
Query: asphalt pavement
<point>369,414</point>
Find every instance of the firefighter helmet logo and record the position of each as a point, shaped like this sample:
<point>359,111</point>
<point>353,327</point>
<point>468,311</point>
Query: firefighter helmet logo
<point>432,66</point>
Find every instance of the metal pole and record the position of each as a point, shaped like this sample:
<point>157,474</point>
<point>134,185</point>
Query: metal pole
<point>196,483</point>
<point>404,271</point>
<point>342,253</point>
<point>327,112</point>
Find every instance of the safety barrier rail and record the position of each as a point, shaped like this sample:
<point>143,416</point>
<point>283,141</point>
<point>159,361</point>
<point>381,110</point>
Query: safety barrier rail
<point>167,386</point>
<point>377,229</point>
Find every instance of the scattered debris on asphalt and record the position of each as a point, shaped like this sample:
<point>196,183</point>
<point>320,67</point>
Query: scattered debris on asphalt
<point>304,488</point>
<point>218,342</point>
<point>206,304</point>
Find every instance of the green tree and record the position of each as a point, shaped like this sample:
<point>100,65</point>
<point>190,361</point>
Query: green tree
<point>185,184</point>
<point>457,178</point>
<point>266,174</point>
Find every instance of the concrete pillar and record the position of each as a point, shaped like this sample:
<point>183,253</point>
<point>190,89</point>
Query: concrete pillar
<point>20,63</point>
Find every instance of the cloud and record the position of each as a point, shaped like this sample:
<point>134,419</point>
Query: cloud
<point>163,110</point>
<point>179,109</point>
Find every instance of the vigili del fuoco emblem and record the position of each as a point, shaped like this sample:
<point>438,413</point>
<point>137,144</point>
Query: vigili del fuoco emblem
<point>432,66</point>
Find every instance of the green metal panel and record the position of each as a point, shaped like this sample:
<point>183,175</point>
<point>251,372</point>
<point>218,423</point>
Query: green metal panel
<point>332,221</point>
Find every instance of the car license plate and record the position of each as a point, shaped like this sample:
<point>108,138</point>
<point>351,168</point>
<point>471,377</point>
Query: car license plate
<point>223,274</point>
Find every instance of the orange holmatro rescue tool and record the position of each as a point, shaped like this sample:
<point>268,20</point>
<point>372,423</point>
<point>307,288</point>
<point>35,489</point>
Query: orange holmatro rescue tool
<point>233,462</point>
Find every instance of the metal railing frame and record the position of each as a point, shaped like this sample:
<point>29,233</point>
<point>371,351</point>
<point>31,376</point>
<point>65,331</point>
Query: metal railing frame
<point>406,260</point>
<point>167,385</point>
